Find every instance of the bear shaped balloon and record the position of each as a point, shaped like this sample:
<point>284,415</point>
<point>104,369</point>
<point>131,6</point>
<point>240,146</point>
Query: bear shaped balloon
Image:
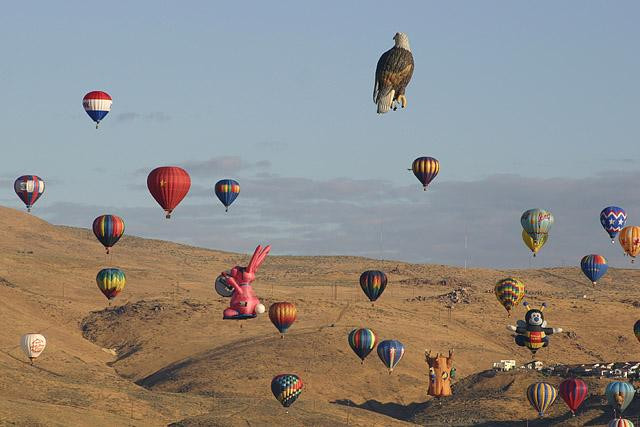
<point>236,283</point>
<point>533,332</point>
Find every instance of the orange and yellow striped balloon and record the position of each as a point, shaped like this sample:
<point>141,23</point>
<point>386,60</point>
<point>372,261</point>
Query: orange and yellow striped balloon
<point>282,315</point>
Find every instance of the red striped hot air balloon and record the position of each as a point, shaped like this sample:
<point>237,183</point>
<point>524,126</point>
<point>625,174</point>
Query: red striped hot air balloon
<point>282,315</point>
<point>573,391</point>
<point>168,185</point>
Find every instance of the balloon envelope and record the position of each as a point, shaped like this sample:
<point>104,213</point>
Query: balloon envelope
<point>425,169</point>
<point>29,188</point>
<point>619,394</point>
<point>573,391</point>
<point>362,342</point>
<point>613,220</point>
<point>630,240</point>
<point>373,283</point>
<point>620,422</point>
<point>108,229</point>
<point>282,315</point>
<point>97,104</point>
<point>509,293</point>
<point>594,267</point>
<point>536,222</point>
<point>286,388</point>
<point>390,352</point>
<point>111,281</point>
<point>533,246</point>
<point>168,185</point>
<point>636,329</point>
<point>541,396</point>
<point>33,345</point>
<point>227,190</point>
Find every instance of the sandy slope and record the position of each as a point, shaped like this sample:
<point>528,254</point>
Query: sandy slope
<point>178,360</point>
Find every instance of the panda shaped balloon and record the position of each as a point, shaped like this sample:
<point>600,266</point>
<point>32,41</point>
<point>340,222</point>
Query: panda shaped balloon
<point>533,332</point>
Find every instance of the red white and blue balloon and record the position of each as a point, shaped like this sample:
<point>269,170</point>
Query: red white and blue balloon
<point>613,220</point>
<point>29,188</point>
<point>97,104</point>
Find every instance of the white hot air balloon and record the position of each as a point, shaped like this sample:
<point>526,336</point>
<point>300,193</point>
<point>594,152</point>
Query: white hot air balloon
<point>33,345</point>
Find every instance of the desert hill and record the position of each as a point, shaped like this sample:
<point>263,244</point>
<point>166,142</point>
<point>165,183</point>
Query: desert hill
<point>162,354</point>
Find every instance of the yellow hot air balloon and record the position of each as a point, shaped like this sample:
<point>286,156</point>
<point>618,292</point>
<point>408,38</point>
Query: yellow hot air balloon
<point>535,247</point>
<point>630,240</point>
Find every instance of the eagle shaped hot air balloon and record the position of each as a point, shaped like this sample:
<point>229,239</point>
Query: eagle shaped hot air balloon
<point>286,388</point>
<point>29,188</point>
<point>425,169</point>
<point>541,396</point>
<point>393,73</point>
<point>97,104</point>
<point>509,293</point>
<point>168,185</point>
<point>362,341</point>
<point>108,229</point>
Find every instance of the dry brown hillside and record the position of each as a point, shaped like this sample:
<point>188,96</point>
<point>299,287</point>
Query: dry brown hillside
<point>177,361</point>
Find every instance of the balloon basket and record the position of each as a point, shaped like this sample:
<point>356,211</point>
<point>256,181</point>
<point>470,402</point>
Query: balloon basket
<point>28,209</point>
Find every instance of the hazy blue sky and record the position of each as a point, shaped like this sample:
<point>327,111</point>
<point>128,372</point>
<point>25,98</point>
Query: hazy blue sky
<point>525,104</point>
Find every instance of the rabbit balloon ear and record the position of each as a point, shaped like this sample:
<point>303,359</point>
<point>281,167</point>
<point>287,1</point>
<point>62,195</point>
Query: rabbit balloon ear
<point>258,256</point>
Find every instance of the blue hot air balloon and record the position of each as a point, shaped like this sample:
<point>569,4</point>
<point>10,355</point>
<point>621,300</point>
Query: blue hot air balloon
<point>227,190</point>
<point>613,220</point>
<point>594,267</point>
<point>619,395</point>
<point>362,342</point>
<point>390,352</point>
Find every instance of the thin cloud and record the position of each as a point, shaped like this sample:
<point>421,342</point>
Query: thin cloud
<point>155,116</point>
<point>379,219</point>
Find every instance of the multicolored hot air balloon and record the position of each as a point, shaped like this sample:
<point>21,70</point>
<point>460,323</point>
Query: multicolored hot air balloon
<point>108,230</point>
<point>620,422</point>
<point>573,391</point>
<point>537,222</point>
<point>33,345</point>
<point>227,190</point>
<point>168,185</point>
<point>282,315</point>
<point>111,282</point>
<point>390,352</point>
<point>619,395</point>
<point>362,341</point>
<point>373,283</point>
<point>594,267</point>
<point>636,329</point>
<point>541,396</point>
<point>630,240</point>
<point>29,188</point>
<point>613,219</point>
<point>509,292</point>
<point>97,104</point>
<point>533,246</point>
<point>425,169</point>
<point>286,388</point>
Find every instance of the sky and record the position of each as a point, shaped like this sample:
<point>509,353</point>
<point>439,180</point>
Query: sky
<point>525,104</point>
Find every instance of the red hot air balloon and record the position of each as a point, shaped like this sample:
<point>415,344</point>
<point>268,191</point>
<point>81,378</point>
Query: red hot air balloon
<point>573,391</point>
<point>168,185</point>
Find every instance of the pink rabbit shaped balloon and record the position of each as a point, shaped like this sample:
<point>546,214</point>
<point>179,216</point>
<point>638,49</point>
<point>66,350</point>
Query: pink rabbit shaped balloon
<point>237,284</point>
